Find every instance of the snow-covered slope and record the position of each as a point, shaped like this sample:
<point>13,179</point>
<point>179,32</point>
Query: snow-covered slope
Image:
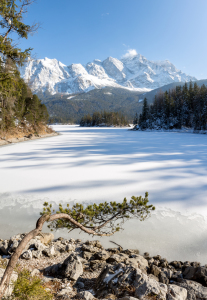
<point>134,72</point>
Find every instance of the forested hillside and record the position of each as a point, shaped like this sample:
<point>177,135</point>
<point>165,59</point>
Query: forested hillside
<point>21,112</point>
<point>180,107</point>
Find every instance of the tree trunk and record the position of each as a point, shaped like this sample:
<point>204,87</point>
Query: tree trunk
<point>12,263</point>
<point>32,234</point>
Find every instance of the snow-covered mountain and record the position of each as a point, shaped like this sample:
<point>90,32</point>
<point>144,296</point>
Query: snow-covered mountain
<point>134,72</point>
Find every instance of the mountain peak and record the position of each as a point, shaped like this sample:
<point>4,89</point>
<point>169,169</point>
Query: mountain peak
<point>132,72</point>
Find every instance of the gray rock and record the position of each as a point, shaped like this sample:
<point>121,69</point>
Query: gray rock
<point>163,278</point>
<point>195,291</point>
<point>4,247</point>
<point>90,248</point>
<point>13,278</point>
<point>65,292</point>
<point>37,254</point>
<point>128,298</point>
<point>146,286</point>
<point>35,272</point>
<point>189,272</point>
<point>113,278</point>
<point>27,255</point>
<point>85,295</point>
<point>39,246</point>
<point>97,264</point>
<point>73,267</point>
<point>13,246</point>
<point>154,270</point>
<point>130,251</point>
<point>50,252</point>
<point>176,293</point>
<point>176,264</point>
<point>116,258</point>
<point>101,255</point>
<point>70,247</point>
<point>87,255</point>
<point>168,272</point>
<point>71,240</point>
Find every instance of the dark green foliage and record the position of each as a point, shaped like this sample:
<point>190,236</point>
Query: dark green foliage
<point>181,107</point>
<point>103,218</point>
<point>17,104</point>
<point>104,119</point>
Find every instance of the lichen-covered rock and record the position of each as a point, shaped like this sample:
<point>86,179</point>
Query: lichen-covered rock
<point>73,267</point>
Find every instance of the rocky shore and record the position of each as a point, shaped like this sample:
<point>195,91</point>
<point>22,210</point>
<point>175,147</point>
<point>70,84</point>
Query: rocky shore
<point>29,137</point>
<point>72,269</point>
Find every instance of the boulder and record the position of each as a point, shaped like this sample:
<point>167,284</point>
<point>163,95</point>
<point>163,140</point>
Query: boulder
<point>70,247</point>
<point>146,286</point>
<point>27,255</point>
<point>13,278</point>
<point>39,246</point>
<point>4,247</point>
<point>102,255</point>
<point>97,264</point>
<point>113,278</point>
<point>154,270</point>
<point>176,293</point>
<point>117,258</point>
<point>86,295</point>
<point>130,251</point>
<point>87,255</point>
<point>73,267</point>
<point>50,252</point>
<point>90,248</point>
<point>195,291</point>
<point>37,254</point>
<point>35,272</point>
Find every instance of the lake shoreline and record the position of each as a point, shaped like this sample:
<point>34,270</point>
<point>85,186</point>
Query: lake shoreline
<point>30,137</point>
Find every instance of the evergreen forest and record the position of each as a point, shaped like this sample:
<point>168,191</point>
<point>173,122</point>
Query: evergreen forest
<point>104,119</point>
<point>20,110</point>
<point>174,109</point>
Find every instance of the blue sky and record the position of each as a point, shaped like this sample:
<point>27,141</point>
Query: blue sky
<point>78,31</point>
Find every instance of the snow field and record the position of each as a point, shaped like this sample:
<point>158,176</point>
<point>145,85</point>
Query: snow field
<point>107,164</point>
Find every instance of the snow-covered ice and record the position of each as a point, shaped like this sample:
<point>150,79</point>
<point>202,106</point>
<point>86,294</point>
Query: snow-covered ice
<point>108,164</point>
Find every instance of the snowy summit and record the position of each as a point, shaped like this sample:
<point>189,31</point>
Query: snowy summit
<point>132,72</point>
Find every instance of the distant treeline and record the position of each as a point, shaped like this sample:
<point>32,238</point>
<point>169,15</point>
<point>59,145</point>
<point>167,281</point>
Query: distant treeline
<point>183,106</point>
<point>104,119</point>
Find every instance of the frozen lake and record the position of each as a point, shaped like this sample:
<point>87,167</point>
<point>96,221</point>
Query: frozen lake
<point>108,164</point>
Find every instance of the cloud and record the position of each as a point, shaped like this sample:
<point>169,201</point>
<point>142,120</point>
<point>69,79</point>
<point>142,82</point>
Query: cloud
<point>130,53</point>
<point>104,15</point>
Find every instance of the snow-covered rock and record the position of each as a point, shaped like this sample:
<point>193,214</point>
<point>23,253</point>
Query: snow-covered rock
<point>132,72</point>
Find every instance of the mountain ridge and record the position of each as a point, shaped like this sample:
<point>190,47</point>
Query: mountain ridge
<point>134,73</point>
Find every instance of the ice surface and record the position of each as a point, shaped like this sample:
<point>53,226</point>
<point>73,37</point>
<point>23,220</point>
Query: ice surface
<point>107,164</point>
